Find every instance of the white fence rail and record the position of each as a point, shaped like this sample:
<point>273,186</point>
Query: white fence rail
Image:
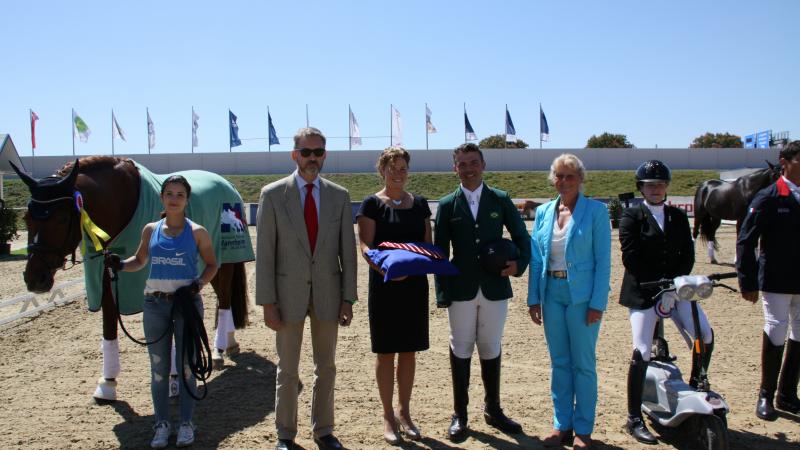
<point>61,294</point>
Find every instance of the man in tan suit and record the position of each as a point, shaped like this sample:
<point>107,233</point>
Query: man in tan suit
<point>305,266</point>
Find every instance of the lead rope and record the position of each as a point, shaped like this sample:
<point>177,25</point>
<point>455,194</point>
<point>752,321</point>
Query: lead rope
<point>196,351</point>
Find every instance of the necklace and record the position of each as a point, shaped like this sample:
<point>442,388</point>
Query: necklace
<point>396,202</point>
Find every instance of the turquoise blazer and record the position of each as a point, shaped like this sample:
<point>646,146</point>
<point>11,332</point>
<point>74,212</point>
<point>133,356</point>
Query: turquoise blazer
<point>588,253</point>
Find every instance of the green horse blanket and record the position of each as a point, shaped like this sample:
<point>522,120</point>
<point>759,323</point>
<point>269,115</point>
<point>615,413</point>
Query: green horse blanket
<point>214,204</point>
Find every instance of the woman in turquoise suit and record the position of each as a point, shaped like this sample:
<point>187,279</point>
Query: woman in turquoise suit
<point>568,292</point>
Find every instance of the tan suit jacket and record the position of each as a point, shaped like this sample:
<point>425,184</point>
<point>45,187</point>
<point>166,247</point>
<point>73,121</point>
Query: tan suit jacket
<point>287,273</point>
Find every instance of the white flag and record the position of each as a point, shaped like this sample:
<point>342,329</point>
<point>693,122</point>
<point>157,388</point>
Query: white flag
<point>195,118</point>
<point>116,131</point>
<point>151,132</point>
<point>79,127</point>
<point>397,128</point>
<point>428,124</point>
<point>355,134</point>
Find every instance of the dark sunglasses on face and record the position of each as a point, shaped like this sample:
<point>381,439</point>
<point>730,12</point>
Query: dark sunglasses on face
<point>306,152</point>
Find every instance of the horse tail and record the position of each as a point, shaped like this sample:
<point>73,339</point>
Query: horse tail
<point>705,225</point>
<point>239,295</point>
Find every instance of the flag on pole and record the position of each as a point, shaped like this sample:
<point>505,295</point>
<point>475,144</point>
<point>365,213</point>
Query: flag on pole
<point>544,130</point>
<point>80,128</point>
<point>34,118</point>
<point>355,134</point>
<point>273,135</point>
<point>511,133</point>
<point>151,132</point>
<point>397,128</point>
<point>428,124</point>
<point>234,129</point>
<point>195,125</point>
<point>469,133</point>
<point>116,131</point>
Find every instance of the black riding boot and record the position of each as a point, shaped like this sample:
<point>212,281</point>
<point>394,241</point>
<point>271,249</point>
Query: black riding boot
<point>770,366</point>
<point>459,368</point>
<point>790,374</point>
<point>694,377</point>
<point>492,413</point>
<point>636,375</point>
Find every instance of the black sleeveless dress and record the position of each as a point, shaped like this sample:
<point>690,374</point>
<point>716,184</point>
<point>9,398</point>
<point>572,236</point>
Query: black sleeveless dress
<point>398,310</point>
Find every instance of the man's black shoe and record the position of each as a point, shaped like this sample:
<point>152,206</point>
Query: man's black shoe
<point>639,431</point>
<point>458,429</point>
<point>500,421</point>
<point>764,409</point>
<point>328,442</point>
<point>285,444</point>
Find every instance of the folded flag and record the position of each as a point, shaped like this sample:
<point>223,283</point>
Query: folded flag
<point>399,262</point>
<point>428,250</point>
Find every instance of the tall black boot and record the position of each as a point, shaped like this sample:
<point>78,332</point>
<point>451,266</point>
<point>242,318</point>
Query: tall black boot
<point>636,375</point>
<point>770,366</point>
<point>459,368</point>
<point>694,378</point>
<point>492,413</point>
<point>790,374</point>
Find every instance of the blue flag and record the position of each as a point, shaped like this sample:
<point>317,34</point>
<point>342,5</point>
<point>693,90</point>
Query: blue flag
<point>544,130</point>
<point>469,133</point>
<point>234,129</point>
<point>511,134</point>
<point>273,136</point>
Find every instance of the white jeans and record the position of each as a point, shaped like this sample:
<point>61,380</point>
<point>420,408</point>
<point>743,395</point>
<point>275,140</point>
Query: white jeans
<point>477,321</point>
<point>643,324</point>
<point>781,310</point>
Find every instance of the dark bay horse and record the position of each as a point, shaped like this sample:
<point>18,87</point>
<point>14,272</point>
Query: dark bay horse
<point>717,200</point>
<point>108,189</point>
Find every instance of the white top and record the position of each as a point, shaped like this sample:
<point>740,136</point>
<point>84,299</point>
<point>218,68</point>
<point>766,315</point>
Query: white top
<point>473,199</point>
<point>793,187</point>
<point>558,247</point>
<point>658,213</point>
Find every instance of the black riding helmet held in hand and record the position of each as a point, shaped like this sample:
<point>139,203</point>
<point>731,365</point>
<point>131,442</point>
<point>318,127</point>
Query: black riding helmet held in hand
<point>652,170</point>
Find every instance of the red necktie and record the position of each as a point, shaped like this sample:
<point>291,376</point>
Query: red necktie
<point>310,212</point>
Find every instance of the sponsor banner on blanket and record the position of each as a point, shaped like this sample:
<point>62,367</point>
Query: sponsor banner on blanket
<point>233,227</point>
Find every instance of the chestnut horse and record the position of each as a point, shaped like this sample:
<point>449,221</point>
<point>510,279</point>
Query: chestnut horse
<point>103,193</point>
<point>718,200</point>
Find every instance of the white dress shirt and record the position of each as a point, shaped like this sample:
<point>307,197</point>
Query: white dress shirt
<point>301,185</point>
<point>473,199</point>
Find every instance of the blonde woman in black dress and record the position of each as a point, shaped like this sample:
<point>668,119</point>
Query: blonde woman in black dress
<point>398,308</point>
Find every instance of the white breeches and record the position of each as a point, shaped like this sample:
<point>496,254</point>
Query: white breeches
<point>643,324</point>
<point>477,321</point>
<point>781,311</point>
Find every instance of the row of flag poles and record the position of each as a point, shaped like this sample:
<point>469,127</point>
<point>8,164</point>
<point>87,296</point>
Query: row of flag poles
<point>81,130</point>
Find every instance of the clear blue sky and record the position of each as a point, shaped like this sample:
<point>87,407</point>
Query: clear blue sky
<point>660,72</point>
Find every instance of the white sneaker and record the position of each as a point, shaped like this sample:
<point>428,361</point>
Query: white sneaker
<point>185,435</point>
<point>161,438</point>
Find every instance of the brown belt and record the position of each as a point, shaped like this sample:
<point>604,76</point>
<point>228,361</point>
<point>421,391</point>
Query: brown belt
<point>163,295</point>
<point>557,273</point>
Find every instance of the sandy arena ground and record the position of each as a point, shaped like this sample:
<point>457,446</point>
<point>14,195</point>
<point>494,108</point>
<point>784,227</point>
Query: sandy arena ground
<point>49,366</point>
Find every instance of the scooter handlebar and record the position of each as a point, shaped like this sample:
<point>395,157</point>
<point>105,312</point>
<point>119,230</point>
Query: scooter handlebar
<point>662,283</point>
<point>722,276</point>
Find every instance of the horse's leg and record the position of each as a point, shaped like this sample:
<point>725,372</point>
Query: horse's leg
<point>224,339</point>
<point>106,390</point>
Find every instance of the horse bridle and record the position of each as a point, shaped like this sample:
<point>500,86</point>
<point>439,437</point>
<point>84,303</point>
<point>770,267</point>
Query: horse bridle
<point>37,249</point>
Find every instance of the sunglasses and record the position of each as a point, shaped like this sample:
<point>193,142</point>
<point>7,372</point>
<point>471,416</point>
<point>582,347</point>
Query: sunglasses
<point>306,152</point>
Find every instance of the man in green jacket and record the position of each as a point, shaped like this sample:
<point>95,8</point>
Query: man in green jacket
<point>477,301</point>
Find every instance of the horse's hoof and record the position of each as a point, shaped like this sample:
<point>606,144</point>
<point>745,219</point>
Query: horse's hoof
<point>217,360</point>
<point>233,350</point>
<point>106,391</point>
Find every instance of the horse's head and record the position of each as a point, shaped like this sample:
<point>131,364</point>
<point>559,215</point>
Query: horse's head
<point>53,224</point>
<point>774,169</point>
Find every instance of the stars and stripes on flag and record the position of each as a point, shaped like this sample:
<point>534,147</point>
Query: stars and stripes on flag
<point>355,133</point>
<point>80,128</point>
<point>34,118</point>
<point>116,131</point>
<point>273,135</point>
<point>151,132</point>
<point>544,130</point>
<point>234,129</point>
<point>511,133</point>
<point>411,247</point>
<point>469,133</point>
<point>428,124</point>
<point>195,126</point>
<point>397,128</point>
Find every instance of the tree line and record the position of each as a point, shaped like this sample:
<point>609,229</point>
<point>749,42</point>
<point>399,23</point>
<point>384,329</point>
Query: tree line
<point>614,140</point>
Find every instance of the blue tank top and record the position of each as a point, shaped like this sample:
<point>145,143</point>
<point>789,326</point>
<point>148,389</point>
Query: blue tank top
<point>173,260</point>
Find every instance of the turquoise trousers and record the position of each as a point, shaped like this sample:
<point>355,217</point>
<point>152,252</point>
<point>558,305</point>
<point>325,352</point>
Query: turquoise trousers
<point>571,342</point>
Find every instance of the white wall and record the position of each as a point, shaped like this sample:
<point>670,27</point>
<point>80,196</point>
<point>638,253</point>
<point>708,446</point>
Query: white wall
<point>361,161</point>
